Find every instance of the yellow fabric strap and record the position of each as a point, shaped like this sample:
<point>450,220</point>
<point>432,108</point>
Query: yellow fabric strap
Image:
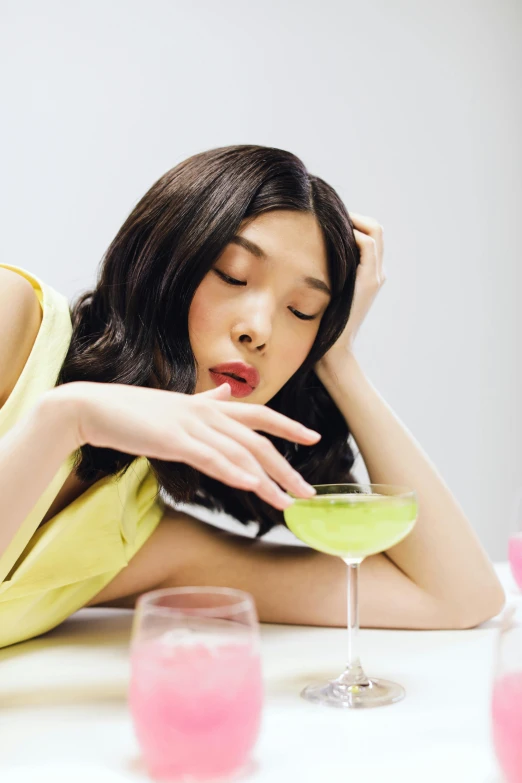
<point>39,375</point>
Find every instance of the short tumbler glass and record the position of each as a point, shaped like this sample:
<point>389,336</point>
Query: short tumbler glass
<point>196,690</point>
<point>507,700</point>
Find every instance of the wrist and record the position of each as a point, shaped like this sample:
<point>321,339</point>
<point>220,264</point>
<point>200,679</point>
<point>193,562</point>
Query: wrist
<point>332,366</point>
<point>346,383</point>
<point>61,409</point>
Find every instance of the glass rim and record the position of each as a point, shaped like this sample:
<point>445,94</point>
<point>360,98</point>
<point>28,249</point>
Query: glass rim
<point>403,491</point>
<point>244,602</point>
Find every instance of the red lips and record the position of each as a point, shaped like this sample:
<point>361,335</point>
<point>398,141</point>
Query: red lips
<point>240,370</point>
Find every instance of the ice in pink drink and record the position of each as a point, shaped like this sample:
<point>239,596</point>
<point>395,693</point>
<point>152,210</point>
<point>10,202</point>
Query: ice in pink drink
<point>507,725</point>
<point>515,557</point>
<point>196,707</point>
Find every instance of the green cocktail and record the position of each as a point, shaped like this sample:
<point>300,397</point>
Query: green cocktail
<point>352,526</point>
<point>353,521</point>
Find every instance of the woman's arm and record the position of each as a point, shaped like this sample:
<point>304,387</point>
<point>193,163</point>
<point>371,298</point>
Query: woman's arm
<point>30,455</point>
<point>442,556</point>
<point>438,577</point>
<point>290,584</point>
<point>33,450</point>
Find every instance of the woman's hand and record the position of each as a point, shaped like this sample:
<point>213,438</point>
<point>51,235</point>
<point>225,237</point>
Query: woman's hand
<point>208,431</point>
<point>369,279</point>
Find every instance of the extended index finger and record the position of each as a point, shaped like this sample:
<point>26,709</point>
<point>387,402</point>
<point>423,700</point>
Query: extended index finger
<point>259,417</point>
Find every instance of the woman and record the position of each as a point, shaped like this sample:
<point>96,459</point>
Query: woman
<point>223,308</point>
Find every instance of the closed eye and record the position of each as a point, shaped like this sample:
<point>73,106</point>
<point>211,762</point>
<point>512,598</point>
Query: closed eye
<point>227,279</point>
<point>233,281</point>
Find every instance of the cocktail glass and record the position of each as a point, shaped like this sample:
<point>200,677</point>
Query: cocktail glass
<point>353,521</point>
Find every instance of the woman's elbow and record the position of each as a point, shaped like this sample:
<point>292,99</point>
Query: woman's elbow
<point>477,610</point>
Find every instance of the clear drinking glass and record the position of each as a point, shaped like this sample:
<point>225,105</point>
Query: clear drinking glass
<point>506,708</point>
<point>353,521</point>
<point>196,689</point>
<point>515,541</point>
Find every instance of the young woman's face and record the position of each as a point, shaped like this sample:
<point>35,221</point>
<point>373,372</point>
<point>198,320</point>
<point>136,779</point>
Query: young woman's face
<point>259,323</point>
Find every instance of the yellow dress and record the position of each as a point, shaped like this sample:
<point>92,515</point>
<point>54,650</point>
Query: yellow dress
<point>46,574</point>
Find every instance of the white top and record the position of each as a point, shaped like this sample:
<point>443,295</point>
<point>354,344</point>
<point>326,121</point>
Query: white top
<point>64,716</point>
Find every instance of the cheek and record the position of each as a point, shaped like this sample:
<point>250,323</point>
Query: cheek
<point>203,317</point>
<point>294,349</point>
<point>199,317</point>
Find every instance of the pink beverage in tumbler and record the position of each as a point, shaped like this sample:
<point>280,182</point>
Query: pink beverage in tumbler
<point>196,707</point>
<point>507,725</point>
<point>515,557</point>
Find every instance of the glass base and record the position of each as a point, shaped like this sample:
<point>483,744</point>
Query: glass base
<point>238,775</point>
<point>373,693</point>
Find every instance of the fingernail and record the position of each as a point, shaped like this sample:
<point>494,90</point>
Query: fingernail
<point>311,433</point>
<point>306,487</point>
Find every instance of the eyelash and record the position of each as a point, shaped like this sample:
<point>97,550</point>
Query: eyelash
<point>233,281</point>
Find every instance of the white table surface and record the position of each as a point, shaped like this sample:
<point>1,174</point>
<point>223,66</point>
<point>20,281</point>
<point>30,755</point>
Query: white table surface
<point>64,715</point>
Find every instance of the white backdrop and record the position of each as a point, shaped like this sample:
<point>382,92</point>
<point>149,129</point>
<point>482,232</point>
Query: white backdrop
<point>411,110</point>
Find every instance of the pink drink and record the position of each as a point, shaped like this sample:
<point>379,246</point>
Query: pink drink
<point>507,725</point>
<point>196,708</point>
<point>515,557</point>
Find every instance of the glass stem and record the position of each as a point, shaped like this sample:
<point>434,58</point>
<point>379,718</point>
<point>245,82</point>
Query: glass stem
<point>353,674</point>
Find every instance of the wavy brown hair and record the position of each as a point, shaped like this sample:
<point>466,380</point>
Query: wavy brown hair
<point>132,327</point>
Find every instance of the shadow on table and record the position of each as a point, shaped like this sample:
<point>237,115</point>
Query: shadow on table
<point>288,688</point>
<point>77,695</point>
<point>90,628</point>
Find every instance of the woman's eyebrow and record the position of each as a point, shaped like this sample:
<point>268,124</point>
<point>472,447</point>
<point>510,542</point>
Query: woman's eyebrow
<point>258,252</point>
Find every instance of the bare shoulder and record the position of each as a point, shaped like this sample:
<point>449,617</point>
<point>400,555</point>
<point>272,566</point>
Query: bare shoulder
<point>20,319</point>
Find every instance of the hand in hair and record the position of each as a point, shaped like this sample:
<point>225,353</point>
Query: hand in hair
<point>369,280</point>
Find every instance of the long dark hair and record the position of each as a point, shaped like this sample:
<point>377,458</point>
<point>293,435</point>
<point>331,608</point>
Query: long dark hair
<point>138,311</point>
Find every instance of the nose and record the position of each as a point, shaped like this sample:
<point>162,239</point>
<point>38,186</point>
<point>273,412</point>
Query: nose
<point>254,327</point>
